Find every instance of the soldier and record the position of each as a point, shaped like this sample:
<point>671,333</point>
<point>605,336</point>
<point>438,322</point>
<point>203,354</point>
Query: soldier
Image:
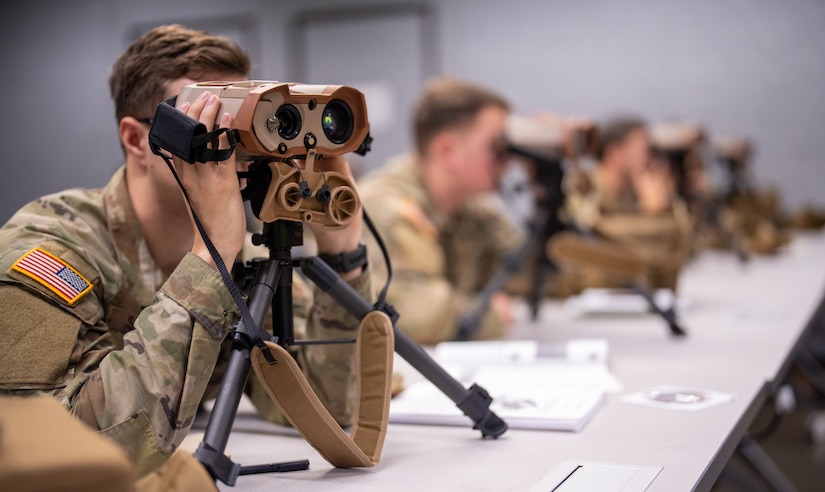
<point>753,215</point>
<point>630,200</point>
<point>433,208</point>
<point>109,300</point>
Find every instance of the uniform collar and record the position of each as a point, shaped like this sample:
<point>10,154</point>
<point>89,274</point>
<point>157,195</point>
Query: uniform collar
<point>126,232</point>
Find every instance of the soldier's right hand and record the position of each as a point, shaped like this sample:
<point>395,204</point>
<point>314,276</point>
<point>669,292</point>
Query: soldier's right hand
<point>502,305</point>
<point>213,189</point>
<point>655,189</point>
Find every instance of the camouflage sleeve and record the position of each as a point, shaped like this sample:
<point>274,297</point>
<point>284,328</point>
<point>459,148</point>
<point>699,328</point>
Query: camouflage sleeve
<point>479,238</point>
<point>145,396</point>
<point>428,303</point>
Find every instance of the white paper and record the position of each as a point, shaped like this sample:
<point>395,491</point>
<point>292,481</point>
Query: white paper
<point>620,302</point>
<point>549,394</point>
<point>493,351</point>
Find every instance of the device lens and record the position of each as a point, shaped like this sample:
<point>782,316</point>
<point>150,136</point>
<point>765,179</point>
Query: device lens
<point>337,122</point>
<point>289,121</point>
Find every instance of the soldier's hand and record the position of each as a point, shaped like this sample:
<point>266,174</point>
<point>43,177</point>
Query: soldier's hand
<point>333,242</point>
<point>502,306</point>
<point>213,189</point>
<point>654,188</point>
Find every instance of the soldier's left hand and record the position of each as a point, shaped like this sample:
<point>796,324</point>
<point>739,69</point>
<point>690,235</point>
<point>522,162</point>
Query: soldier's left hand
<point>333,242</point>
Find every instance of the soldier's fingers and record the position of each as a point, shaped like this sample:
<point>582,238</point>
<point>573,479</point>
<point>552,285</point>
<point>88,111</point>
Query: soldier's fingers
<point>226,122</point>
<point>210,111</point>
<point>197,106</point>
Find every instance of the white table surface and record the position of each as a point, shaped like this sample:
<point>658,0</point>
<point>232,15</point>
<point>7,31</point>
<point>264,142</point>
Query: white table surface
<point>743,324</point>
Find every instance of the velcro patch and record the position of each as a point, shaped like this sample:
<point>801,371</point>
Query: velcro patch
<point>54,274</point>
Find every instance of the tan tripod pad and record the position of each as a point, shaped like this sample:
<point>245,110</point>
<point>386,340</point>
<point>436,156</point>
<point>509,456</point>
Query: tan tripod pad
<point>289,390</point>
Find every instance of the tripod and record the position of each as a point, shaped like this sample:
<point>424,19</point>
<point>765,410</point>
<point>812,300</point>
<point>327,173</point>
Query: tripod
<point>272,288</point>
<point>549,175</point>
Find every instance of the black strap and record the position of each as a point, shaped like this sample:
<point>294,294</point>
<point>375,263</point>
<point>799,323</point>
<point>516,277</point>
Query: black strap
<point>347,261</point>
<point>254,332</point>
<point>381,304</point>
<point>187,138</point>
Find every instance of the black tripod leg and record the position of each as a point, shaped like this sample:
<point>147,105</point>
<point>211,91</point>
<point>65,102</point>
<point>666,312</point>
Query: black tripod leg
<point>470,322</point>
<point>728,237</point>
<point>669,316</point>
<point>475,402</point>
<point>765,466</point>
<point>211,450</point>
<point>541,273</point>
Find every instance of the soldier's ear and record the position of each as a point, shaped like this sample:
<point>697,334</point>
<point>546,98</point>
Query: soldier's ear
<point>443,147</point>
<point>132,135</point>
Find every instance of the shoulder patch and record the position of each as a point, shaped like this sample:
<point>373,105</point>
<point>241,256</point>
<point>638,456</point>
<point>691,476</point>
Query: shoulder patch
<point>413,215</point>
<point>54,274</point>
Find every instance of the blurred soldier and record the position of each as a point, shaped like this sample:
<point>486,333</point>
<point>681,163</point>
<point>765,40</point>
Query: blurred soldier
<point>109,299</point>
<point>752,215</point>
<point>630,200</point>
<point>433,208</point>
<point>554,150</point>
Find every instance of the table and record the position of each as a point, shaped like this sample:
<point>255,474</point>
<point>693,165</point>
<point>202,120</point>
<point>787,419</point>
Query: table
<point>745,324</point>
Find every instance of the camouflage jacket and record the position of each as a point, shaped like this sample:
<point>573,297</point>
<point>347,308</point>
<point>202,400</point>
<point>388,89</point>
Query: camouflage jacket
<point>664,241</point>
<point>86,316</point>
<point>439,262</point>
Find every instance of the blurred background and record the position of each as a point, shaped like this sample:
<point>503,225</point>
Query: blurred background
<point>749,67</point>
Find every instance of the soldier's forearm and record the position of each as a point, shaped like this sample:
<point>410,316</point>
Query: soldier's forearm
<point>146,395</point>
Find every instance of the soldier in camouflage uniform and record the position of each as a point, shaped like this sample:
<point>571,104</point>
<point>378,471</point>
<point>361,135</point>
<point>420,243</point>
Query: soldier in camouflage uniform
<point>629,199</point>
<point>109,300</point>
<point>434,210</point>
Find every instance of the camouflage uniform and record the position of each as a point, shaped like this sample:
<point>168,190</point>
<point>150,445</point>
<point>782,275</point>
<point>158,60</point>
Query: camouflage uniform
<point>664,241</point>
<point>439,262</point>
<point>133,355</point>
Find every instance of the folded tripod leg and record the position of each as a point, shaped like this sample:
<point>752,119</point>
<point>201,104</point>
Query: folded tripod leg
<point>474,402</point>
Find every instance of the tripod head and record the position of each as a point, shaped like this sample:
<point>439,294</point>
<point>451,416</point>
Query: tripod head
<point>734,155</point>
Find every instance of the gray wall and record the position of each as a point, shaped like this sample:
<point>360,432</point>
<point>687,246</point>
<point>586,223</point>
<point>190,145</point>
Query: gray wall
<point>754,67</point>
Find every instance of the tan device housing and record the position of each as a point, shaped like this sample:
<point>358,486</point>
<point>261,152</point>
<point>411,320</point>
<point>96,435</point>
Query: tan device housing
<point>286,120</point>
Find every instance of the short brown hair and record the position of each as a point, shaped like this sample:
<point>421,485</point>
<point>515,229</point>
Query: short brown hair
<point>446,104</point>
<point>140,75</point>
<point>614,131</point>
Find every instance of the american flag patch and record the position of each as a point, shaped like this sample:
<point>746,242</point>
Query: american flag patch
<point>53,273</point>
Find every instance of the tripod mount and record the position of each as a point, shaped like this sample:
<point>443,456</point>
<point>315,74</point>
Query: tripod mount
<point>271,289</point>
